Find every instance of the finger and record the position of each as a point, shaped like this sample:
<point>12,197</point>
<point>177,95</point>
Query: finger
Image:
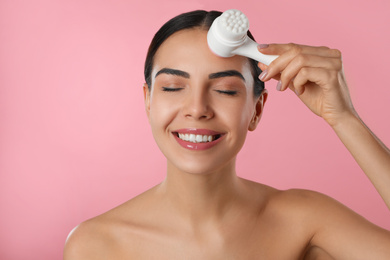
<point>273,70</point>
<point>278,49</point>
<point>319,76</point>
<point>264,73</point>
<point>312,61</point>
<point>262,66</point>
<point>291,86</point>
<point>279,64</point>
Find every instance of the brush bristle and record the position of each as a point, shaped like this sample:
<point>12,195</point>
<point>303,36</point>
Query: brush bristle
<point>228,32</point>
<point>234,21</point>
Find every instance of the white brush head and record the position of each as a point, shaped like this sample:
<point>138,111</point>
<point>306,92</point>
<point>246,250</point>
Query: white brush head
<point>228,32</point>
<point>227,37</point>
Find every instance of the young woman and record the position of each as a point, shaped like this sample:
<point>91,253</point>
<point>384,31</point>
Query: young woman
<point>200,108</point>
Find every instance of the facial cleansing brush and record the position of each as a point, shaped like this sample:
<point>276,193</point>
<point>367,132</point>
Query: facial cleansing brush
<point>228,37</point>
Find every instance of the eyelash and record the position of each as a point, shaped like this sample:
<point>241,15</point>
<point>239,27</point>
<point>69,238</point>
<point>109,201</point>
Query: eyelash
<point>227,92</point>
<point>166,89</point>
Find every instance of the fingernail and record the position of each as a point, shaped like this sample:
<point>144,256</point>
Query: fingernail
<point>263,74</point>
<point>279,85</point>
<point>296,92</point>
<point>262,46</point>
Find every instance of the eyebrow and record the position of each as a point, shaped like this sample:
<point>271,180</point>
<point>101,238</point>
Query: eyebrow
<point>175,72</point>
<point>220,74</point>
<point>227,73</point>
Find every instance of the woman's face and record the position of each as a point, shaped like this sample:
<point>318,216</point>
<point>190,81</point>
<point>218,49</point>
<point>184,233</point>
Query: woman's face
<point>198,96</point>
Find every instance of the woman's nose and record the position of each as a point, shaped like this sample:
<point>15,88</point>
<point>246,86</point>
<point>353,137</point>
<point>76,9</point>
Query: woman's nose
<point>197,106</point>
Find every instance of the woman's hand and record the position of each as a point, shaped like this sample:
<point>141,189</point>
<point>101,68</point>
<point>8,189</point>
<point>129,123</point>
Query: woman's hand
<point>315,74</point>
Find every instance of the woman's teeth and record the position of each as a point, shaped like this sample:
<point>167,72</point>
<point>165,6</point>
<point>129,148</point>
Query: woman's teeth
<point>197,138</point>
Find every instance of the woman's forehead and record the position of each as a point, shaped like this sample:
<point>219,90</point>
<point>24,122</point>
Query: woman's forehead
<point>187,50</point>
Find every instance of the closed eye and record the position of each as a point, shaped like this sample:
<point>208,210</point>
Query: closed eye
<point>227,92</point>
<point>171,89</point>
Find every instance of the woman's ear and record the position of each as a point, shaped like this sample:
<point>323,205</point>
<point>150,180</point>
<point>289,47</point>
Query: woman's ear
<point>147,99</point>
<point>258,110</point>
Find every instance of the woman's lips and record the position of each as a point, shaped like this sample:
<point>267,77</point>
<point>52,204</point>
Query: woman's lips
<point>197,139</point>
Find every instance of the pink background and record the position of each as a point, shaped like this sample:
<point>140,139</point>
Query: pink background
<point>74,138</point>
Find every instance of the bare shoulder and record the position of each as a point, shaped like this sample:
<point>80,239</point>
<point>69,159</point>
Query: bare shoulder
<point>316,209</point>
<point>299,200</point>
<point>103,236</point>
<point>89,240</point>
<point>332,227</point>
<point>290,206</point>
<point>305,201</point>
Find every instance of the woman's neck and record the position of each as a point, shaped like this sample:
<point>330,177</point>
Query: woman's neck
<point>202,197</point>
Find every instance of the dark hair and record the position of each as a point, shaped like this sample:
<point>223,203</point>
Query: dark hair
<point>203,20</point>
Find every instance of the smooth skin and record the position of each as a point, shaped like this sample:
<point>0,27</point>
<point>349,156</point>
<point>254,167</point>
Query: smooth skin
<point>203,210</point>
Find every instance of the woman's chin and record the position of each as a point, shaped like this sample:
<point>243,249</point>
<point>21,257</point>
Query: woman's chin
<point>199,168</point>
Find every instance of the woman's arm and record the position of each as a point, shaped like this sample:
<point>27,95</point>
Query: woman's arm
<point>369,152</point>
<point>316,75</point>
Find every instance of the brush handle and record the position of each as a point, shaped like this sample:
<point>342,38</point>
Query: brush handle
<point>249,49</point>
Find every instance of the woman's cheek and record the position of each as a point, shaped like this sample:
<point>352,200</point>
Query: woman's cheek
<point>162,111</point>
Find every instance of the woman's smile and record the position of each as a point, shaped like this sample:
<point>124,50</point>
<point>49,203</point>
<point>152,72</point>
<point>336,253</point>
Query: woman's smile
<point>197,139</point>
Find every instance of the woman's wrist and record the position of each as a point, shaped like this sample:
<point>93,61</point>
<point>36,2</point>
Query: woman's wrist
<point>344,120</point>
